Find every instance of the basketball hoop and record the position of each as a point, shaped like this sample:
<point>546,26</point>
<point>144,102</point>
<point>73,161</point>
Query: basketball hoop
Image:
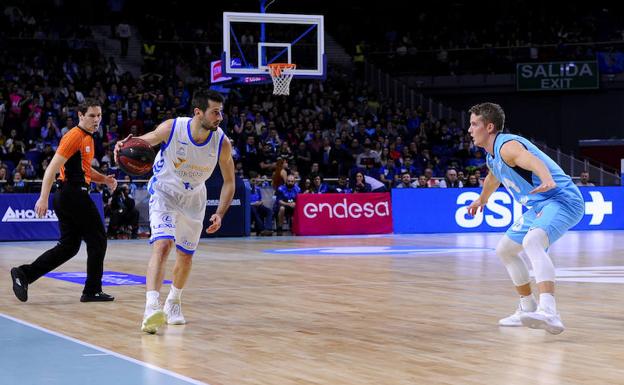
<point>282,74</point>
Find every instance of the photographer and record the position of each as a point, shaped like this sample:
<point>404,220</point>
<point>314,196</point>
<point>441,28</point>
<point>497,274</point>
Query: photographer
<point>123,213</point>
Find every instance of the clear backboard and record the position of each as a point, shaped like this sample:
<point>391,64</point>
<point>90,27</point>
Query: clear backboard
<point>252,41</point>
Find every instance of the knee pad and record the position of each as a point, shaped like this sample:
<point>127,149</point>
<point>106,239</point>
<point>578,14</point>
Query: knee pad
<point>508,252</point>
<point>535,243</point>
<point>535,238</point>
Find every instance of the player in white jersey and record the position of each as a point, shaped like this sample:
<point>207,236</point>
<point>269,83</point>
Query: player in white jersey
<point>191,149</point>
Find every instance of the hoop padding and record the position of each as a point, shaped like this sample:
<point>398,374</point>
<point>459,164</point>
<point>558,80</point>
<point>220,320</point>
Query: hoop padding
<point>281,74</point>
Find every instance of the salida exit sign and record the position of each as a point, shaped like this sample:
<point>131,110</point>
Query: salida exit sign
<point>552,76</point>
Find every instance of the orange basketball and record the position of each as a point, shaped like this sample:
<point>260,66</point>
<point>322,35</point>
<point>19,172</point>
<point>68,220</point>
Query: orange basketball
<point>136,157</point>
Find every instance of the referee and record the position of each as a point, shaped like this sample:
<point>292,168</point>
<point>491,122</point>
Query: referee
<point>77,214</point>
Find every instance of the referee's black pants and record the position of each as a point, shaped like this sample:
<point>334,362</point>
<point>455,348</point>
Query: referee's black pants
<point>78,219</point>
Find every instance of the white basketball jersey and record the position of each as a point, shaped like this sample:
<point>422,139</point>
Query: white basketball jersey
<point>182,166</point>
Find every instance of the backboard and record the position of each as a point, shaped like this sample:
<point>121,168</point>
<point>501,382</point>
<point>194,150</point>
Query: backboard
<point>251,41</point>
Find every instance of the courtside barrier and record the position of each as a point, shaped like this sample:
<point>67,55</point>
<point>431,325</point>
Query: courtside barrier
<point>20,223</point>
<point>444,210</point>
<point>328,214</point>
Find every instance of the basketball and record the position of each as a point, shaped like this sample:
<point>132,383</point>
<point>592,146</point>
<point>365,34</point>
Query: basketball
<point>136,157</point>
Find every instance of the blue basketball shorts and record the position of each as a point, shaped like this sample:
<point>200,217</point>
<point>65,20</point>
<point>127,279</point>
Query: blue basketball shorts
<point>554,216</point>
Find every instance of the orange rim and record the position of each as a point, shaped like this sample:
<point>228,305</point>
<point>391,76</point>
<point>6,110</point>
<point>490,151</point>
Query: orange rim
<point>277,68</point>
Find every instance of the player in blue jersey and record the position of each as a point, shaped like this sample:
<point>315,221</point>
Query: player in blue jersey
<point>555,205</point>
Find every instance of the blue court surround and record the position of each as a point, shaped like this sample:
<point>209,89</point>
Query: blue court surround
<point>32,355</point>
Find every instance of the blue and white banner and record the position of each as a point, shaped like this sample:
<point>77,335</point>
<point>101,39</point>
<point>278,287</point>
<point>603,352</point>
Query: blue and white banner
<point>237,220</point>
<point>18,221</point>
<point>444,210</point>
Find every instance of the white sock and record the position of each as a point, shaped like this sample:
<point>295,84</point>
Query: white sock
<point>151,297</point>
<point>547,303</point>
<point>528,303</point>
<point>174,294</point>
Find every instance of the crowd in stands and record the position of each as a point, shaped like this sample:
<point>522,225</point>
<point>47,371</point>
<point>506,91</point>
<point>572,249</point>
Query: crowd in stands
<point>330,136</point>
<point>489,37</point>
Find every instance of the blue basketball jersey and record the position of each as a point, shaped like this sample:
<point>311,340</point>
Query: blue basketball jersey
<point>519,181</point>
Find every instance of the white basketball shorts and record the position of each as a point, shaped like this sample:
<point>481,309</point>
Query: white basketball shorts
<point>180,219</point>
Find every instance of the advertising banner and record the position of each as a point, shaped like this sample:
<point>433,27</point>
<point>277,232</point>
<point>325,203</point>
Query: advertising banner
<point>237,220</point>
<point>18,221</point>
<point>444,210</point>
<point>328,214</point>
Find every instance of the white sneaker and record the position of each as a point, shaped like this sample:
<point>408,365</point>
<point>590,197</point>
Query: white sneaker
<point>173,310</point>
<point>514,319</point>
<point>152,320</point>
<point>542,320</point>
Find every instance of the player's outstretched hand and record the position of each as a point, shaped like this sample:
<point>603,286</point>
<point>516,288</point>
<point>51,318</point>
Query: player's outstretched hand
<point>547,185</point>
<point>118,146</point>
<point>216,223</point>
<point>476,206</point>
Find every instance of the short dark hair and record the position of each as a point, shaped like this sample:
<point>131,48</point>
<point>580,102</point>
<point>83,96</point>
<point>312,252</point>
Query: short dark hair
<point>201,98</point>
<point>88,102</point>
<point>491,113</point>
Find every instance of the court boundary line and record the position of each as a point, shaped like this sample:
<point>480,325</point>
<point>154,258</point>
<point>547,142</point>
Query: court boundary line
<point>104,350</point>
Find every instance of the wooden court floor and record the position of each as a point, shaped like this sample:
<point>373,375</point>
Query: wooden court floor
<point>413,309</point>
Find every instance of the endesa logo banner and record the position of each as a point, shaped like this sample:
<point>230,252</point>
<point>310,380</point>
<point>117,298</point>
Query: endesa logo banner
<point>444,210</point>
<point>329,214</point>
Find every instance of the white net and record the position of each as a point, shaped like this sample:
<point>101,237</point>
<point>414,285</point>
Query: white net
<point>281,74</point>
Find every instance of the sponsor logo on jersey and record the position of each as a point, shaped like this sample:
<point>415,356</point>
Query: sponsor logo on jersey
<point>179,163</point>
